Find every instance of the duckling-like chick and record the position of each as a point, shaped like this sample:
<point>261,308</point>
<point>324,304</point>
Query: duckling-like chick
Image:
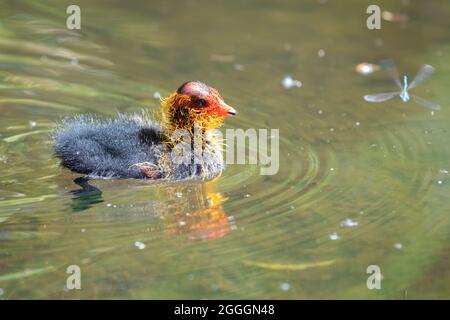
<point>181,146</point>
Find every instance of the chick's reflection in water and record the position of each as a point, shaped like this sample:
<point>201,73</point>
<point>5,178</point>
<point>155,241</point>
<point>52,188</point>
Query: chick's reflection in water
<point>196,210</point>
<point>191,208</point>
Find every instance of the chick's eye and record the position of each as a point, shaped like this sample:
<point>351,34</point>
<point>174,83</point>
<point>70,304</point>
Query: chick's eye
<point>200,102</point>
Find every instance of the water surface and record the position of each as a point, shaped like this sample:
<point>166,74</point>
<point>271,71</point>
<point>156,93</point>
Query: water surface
<point>359,184</point>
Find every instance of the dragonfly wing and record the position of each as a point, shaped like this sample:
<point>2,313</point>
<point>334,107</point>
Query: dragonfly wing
<point>424,72</point>
<point>426,103</point>
<point>389,66</point>
<point>380,97</point>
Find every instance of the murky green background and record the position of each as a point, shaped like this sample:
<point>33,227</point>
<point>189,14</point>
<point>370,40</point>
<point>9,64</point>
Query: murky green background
<point>384,166</point>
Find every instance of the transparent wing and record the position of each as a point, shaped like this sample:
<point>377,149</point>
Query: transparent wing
<point>424,72</point>
<point>380,97</point>
<point>390,68</point>
<point>425,103</point>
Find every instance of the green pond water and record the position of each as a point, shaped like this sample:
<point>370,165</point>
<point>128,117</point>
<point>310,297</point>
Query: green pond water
<point>359,184</point>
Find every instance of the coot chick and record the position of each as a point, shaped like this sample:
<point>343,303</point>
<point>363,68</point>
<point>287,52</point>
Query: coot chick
<point>182,145</point>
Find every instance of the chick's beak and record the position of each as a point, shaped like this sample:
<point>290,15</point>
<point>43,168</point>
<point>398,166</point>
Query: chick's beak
<point>227,109</point>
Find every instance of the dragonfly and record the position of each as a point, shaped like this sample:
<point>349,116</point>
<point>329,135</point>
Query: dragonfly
<point>424,72</point>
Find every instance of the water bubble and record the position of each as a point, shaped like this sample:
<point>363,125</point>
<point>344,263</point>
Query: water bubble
<point>366,68</point>
<point>285,286</point>
<point>440,182</point>
<point>139,245</point>
<point>319,111</point>
<point>238,67</point>
<point>444,171</point>
<point>32,123</point>
<point>74,61</point>
<point>247,195</point>
<point>379,42</point>
<point>349,223</point>
<point>398,246</point>
<point>334,236</point>
<point>289,82</point>
<point>357,123</point>
<point>321,53</point>
<point>178,194</point>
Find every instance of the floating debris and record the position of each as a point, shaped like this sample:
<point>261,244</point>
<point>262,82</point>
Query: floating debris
<point>139,245</point>
<point>379,42</point>
<point>179,194</point>
<point>349,223</point>
<point>398,246</point>
<point>444,171</point>
<point>238,67</point>
<point>289,82</point>
<point>394,17</point>
<point>334,236</point>
<point>285,286</point>
<point>321,53</point>
<point>222,58</point>
<point>366,68</point>
<point>289,267</point>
